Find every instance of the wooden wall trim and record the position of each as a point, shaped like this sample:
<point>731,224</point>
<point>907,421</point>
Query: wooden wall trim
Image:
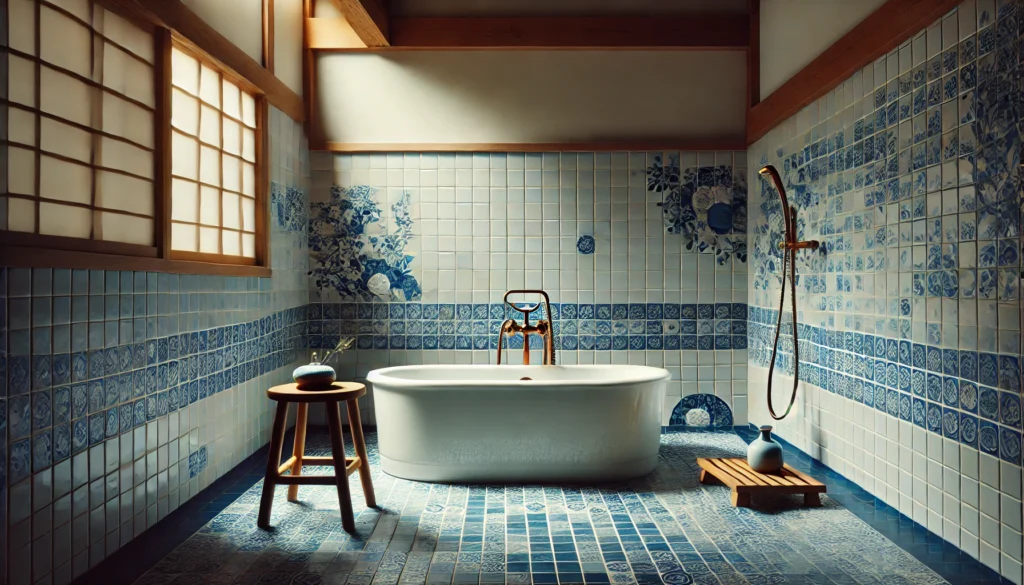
<point>16,256</point>
<point>369,20</point>
<point>729,32</point>
<point>723,143</point>
<point>754,53</point>
<point>175,15</point>
<point>268,35</point>
<point>883,30</point>
<point>162,152</point>
<point>309,89</point>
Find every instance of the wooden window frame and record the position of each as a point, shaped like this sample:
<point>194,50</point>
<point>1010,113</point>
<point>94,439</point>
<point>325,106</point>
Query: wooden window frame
<point>38,64</point>
<point>24,249</point>
<point>261,191</point>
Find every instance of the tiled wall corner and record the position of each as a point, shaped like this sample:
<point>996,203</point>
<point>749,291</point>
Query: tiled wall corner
<point>643,255</point>
<point>126,393</point>
<point>910,315</point>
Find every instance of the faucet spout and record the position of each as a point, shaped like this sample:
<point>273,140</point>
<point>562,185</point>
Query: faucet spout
<point>544,328</point>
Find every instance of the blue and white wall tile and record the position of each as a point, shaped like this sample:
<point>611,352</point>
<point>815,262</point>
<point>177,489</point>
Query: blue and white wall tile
<point>643,255</point>
<point>128,392</point>
<point>909,315</point>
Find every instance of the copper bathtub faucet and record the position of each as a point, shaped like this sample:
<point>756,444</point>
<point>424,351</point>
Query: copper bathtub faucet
<point>544,328</point>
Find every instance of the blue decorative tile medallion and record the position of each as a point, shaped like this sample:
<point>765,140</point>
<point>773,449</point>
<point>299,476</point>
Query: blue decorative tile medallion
<point>585,244</point>
<point>701,411</point>
<point>706,205</point>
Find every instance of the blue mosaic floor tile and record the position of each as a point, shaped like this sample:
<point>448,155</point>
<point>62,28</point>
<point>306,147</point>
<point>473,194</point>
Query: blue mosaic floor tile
<point>664,528</point>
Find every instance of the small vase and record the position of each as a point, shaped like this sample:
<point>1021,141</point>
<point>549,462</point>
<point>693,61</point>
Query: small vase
<point>314,376</point>
<point>764,455</point>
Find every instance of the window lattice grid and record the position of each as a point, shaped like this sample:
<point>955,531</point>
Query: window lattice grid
<point>213,161</point>
<point>81,124</point>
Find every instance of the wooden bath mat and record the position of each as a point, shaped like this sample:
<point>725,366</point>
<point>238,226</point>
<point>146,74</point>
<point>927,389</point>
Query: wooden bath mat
<point>744,481</point>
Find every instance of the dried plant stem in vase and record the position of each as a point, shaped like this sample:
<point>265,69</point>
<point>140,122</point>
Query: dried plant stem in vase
<point>317,375</point>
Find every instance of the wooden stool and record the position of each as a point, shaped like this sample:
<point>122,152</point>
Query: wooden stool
<point>744,481</point>
<point>347,392</point>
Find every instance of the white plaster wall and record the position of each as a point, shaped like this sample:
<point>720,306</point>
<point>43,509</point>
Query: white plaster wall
<point>530,96</point>
<point>288,43</point>
<point>240,21</point>
<point>794,32</point>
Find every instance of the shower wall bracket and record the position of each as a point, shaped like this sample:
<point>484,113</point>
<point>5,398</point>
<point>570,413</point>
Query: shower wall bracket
<point>804,245</point>
<point>790,242</point>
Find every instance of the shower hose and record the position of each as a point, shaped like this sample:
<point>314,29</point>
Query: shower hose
<point>788,255</point>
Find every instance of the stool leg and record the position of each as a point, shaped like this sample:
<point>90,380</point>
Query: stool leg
<point>348,522</point>
<point>273,460</point>
<point>356,425</point>
<point>299,447</point>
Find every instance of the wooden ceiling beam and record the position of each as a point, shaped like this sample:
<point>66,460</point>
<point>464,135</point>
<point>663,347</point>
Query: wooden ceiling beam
<point>724,32</point>
<point>369,19</point>
<point>332,34</point>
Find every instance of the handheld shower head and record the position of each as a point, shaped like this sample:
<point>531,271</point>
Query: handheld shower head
<point>773,176</point>
<point>787,211</point>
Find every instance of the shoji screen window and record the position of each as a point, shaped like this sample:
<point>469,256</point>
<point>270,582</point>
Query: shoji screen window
<point>214,163</point>
<point>80,129</point>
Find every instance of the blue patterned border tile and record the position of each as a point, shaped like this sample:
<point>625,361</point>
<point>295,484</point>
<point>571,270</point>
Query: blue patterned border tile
<point>466,326</point>
<point>938,389</point>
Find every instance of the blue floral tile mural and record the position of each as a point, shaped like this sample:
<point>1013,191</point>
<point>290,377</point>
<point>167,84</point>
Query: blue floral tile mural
<point>702,410</point>
<point>356,251</point>
<point>706,205</point>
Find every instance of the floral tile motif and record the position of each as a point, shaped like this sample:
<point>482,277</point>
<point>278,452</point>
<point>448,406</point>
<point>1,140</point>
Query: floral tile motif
<point>357,252</point>
<point>705,205</point>
<point>663,528</point>
<point>289,207</point>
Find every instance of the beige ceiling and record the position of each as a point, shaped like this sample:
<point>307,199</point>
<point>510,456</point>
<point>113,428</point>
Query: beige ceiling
<point>560,7</point>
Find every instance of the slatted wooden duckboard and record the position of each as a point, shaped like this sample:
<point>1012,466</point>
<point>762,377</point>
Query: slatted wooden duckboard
<point>744,481</point>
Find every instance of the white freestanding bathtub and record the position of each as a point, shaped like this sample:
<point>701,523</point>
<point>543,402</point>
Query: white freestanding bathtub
<point>485,423</point>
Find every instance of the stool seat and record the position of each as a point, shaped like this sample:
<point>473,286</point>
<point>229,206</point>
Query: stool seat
<point>347,392</point>
<point>339,391</point>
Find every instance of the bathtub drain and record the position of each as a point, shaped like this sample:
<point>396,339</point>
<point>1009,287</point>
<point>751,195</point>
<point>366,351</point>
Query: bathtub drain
<point>525,378</point>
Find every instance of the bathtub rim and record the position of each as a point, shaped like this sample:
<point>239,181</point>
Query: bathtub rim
<point>643,375</point>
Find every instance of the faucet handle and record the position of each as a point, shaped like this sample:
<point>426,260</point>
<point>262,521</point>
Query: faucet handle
<point>528,309</point>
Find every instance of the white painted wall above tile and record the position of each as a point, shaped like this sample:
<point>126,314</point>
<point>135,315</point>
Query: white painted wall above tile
<point>794,32</point>
<point>530,96</point>
<point>240,21</point>
<point>288,43</point>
